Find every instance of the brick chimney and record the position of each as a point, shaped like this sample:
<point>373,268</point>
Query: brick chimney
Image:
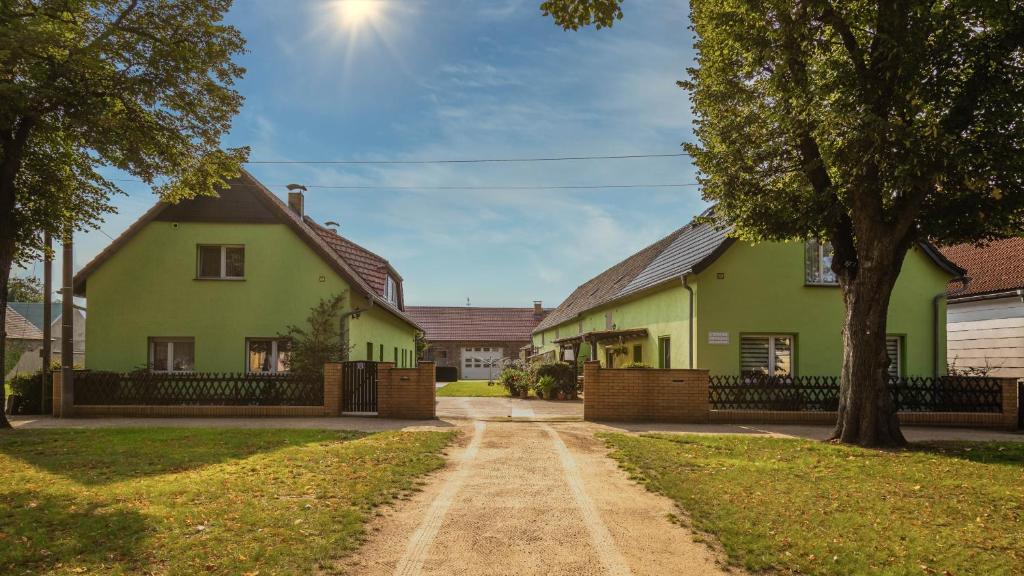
<point>296,201</point>
<point>538,308</point>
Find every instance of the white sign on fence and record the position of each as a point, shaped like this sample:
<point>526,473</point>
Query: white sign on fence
<point>718,337</point>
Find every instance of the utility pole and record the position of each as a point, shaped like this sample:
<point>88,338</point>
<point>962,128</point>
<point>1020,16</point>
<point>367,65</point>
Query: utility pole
<point>67,331</point>
<point>47,322</point>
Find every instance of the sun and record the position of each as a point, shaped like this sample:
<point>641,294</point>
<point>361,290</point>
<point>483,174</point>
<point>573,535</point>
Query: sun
<point>355,14</point>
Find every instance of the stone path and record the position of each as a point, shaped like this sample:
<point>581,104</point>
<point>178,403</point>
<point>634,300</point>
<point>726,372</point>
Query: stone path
<point>531,498</point>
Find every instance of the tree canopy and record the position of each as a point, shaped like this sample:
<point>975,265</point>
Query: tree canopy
<point>28,289</point>
<point>145,86</point>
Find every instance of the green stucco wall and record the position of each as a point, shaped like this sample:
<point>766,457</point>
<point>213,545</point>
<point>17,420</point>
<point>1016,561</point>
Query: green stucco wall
<point>762,291</point>
<point>148,288</point>
<point>664,313</point>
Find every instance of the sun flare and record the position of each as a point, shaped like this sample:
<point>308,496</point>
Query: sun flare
<point>354,14</point>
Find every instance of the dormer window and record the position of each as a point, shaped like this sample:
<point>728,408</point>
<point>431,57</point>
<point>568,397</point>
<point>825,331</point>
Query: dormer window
<point>391,290</point>
<point>221,262</point>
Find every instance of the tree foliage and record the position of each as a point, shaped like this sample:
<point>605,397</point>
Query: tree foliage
<point>813,116</point>
<point>320,340</point>
<point>576,14</point>
<point>29,289</point>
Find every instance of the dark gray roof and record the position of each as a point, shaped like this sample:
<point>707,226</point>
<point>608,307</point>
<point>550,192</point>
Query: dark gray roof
<point>684,255</point>
<point>688,249</point>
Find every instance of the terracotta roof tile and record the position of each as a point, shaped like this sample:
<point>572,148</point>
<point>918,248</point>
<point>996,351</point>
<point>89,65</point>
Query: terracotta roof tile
<point>994,267</point>
<point>371,267</point>
<point>475,323</point>
<point>18,328</point>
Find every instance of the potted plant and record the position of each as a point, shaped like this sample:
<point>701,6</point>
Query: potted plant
<point>546,387</point>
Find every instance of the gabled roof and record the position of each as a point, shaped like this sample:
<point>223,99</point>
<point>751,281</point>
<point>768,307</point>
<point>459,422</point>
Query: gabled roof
<point>247,200</point>
<point>33,311</point>
<point>994,267</point>
<point>688,250</point>
<point>464,323</point>
<point>685,250</point>
<point>18,328</point>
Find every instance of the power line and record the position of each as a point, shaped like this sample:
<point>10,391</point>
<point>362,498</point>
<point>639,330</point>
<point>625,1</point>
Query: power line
<point>486,187</point>
<point>475,160</point>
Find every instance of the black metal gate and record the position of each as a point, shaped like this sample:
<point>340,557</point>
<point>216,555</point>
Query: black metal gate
<point>359,387</point>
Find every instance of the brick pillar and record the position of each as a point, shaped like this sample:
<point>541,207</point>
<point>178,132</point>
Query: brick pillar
<point>428,389</point>
<point>1011,404</point>
<point>406,393</point>
<point>332,389</point>
<point>591,388</point>
<point>55,382</point>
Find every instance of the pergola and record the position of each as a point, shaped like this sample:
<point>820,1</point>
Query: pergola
<point>598,337</point>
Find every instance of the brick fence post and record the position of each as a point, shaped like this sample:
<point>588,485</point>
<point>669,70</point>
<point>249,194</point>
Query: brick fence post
<point>427,387</point>
<point>55,384</point>
<point>1011,403</point>
<point>592,389</point>
<point>332,389</point>
<point>385,391</point>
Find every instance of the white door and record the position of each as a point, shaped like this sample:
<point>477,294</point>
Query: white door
<point>480,363</point>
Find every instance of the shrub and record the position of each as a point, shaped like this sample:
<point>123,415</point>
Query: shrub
<point>563,375</point>
<point>516,377</point>
<point>545,387</point>
<point>638,365</point>
<point>30,388</point>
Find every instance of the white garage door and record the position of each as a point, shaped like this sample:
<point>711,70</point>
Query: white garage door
<point>481,363</point>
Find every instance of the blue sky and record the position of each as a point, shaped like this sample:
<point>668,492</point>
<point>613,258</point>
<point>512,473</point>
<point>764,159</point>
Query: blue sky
<point>440,79</point>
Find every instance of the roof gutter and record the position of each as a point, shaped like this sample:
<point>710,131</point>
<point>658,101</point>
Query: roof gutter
<point>691,339</point>
<point>1018,293</point>
<point>936,352</point>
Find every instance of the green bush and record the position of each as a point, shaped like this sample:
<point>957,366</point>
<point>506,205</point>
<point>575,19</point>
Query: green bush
<point>30,388</point>
<point>516,377</point>
<point>563,375</point>
<point>639,365</point>
<point>545,387</point>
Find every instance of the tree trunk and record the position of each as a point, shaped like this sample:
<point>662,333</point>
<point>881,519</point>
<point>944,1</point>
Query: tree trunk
<point>6,260</point>
<point>867,414</point>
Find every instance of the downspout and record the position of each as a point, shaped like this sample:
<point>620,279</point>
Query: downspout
<point>936,353</point>
<point>692,338</point>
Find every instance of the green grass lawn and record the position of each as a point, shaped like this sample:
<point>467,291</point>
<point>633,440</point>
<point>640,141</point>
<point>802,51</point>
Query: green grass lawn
<point>197,501</point>
<point>803,507</point>
<point>472,388</point>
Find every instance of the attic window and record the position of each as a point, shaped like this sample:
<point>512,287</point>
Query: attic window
<point>221,262</point>
<point>391,290</point>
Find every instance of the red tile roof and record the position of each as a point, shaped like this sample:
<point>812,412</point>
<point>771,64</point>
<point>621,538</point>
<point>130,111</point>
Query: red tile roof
<point>995,267</point>
<point>467,323</point>
<point>18,328</point>
<point>371,267</point>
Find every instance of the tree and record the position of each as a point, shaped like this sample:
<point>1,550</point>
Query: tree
<point>142,86</point>
<point>870,125</point>
<point>24,290</point>
<point>320,341</point>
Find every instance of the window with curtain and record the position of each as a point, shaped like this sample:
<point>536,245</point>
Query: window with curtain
<point>818,264</point>
<point>267,355</point>
<point>769,355</point>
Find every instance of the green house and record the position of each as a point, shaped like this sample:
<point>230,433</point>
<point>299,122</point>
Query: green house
<point>210,284</point>
<point>699,298</point>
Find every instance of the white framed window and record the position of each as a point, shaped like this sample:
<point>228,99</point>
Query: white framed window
<point>894,348</point>
<point>172,354</point>
<point>220,262</point>
<point>818,264</point>
<point>391,290</point>
<point>767,354</point>
<point>267,355</point>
